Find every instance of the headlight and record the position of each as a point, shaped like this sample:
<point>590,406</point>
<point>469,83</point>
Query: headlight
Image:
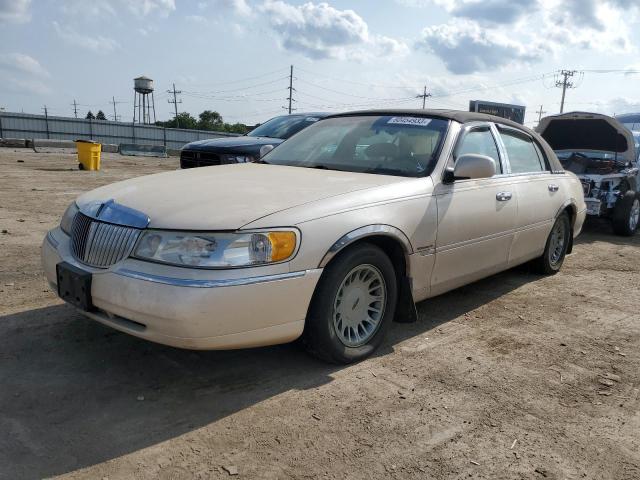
<point>237,158</point>
<point>67,218</point>
<point>216,250</point>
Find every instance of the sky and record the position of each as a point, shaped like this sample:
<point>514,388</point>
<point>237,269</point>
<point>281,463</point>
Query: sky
<point>234,56</point>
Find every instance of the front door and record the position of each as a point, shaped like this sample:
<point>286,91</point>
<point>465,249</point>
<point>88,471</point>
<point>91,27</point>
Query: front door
<point>476,217</point>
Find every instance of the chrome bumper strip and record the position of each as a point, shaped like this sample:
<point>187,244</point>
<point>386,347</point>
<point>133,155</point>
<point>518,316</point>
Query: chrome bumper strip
<point>52,241</point>
<point>186,282</point>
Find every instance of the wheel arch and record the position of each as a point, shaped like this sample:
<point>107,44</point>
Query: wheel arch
<point>570,207</point>
<point>397,246</point>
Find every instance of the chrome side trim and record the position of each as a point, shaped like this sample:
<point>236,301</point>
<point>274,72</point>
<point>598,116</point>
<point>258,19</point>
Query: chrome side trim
<point>363,232</point>
<point>206,283</point>
<point>52,241</point>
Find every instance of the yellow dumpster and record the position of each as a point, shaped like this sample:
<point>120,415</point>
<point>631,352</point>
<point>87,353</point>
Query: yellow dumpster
<point>88,154</point>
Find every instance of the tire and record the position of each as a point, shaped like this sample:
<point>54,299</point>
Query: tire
<point>336,330</point>
<point>80,166</point>
<point>555,250</point>
<point>626,214</point>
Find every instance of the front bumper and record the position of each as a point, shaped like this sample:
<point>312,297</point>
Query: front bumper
<point>193,309</point>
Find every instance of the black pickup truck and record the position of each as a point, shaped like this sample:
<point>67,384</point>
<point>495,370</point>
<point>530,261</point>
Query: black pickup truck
<point>221,151</point>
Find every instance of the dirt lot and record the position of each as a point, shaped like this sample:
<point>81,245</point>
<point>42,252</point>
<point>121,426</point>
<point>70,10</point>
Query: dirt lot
<point>516,376</point>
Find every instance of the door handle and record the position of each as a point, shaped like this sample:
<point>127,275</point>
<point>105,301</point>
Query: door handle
<point>503,196</point>
<point>553,187</point>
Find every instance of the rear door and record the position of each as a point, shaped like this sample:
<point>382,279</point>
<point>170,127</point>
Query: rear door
<point>475,217</point>
<point>540,193</point>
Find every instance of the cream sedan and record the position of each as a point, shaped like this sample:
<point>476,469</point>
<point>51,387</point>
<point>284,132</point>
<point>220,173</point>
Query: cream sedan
<point>330,237</point>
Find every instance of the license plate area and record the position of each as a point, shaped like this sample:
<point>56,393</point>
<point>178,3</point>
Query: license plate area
<point>74,285</point>
<point>593,207</point>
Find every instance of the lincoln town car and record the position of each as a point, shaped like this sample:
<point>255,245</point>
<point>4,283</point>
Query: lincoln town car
<point>327,238</point>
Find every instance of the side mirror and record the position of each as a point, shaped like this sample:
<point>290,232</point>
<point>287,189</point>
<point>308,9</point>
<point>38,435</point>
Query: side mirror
<point>470,166</point>
<point>265,149</point>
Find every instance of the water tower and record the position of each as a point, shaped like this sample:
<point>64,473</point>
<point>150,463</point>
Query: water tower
<point>143,102</point>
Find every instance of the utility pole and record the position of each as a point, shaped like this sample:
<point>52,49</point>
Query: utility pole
<point>113,102</point>
<point>175,101</point>
<point>540,113</point>
<point>46,119</point>
<point>565,83</point>
<point>75,108</point>
<point>424,97</point>
<point>291,90</point>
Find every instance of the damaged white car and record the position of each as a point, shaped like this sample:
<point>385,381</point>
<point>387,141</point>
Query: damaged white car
<point>602,152</point>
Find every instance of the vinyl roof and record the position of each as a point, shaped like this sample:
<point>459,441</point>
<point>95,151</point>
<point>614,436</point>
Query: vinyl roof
<point>460,116</point>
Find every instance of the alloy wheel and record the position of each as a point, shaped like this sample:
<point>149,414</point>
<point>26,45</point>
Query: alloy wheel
<point>359,305</point>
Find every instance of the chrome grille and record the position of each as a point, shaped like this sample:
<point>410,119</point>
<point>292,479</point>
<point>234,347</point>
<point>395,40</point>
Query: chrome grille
<point>101,244</point>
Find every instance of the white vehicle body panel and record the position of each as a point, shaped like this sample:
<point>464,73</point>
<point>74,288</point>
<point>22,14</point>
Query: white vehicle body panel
<point>451,234</point>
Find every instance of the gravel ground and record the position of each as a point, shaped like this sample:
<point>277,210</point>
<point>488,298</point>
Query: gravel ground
<point>515,377</point>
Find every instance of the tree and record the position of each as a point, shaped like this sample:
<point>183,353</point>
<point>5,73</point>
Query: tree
<point>210,120</point>
<point>100,115</point>
<point>90,116</point>
<point>185,120</point>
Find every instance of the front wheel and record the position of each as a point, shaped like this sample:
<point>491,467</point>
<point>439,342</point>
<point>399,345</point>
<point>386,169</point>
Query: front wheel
<point>626,215</point>
<point>556,247</point>
<point>352,307</point>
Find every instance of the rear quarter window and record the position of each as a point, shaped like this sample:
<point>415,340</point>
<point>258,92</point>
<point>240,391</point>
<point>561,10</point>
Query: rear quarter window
<point>524,155</point>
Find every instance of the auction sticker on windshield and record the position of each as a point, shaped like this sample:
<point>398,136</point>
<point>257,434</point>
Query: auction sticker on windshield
<point>417,121</point>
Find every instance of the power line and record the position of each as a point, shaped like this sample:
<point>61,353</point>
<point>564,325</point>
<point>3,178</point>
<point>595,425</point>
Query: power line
<point>175,102</point>
<point>424,97</point>
<point>75,108</point>
<point>540,113</point>
<point>291,90</point>
<point>113,102</point>
<point>565,83</point>
<point>268,74</point>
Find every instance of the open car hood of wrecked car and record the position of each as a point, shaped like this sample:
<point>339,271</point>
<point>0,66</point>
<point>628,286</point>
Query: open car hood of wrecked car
<point>588,132</point>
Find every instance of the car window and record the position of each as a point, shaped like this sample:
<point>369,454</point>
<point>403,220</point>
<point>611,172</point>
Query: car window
<point>480,141</point>
<point>379,144</point>
<point>283,127</point>
<point>523,154</point>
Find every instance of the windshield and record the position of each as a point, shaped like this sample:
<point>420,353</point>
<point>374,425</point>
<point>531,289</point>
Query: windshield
<point>283,127</point>
<point>388,145</point>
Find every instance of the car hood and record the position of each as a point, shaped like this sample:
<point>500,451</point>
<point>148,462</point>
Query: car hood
<point>588,132</point>
<point>228,197</point>
<point>231,143</point>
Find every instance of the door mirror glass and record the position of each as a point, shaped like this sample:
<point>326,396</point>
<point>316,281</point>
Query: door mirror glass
<point>471,165</point>
<point>265,149</point>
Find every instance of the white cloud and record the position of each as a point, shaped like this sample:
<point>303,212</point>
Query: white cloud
<point>239,7</point>
<point>22,74</point>
<point>19,62</point>
<point>196,19</point>
<point>589,24</point>
<point>319,31</point>
<point>145,7</point>
<point>95,43</point>
<point>112,8</point>
<point>15,11</point>
<point>465,48</point>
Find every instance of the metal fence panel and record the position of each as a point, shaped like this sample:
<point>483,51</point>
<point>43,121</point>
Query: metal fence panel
<point>25,125</point>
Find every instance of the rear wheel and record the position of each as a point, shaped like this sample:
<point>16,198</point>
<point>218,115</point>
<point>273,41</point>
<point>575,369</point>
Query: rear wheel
<point>352,306</point>
<point>556,247</point>
<point>626,215</point>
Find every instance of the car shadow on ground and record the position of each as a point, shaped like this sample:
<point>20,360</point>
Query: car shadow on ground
<point>72,390</point>
<point>600,230</point>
